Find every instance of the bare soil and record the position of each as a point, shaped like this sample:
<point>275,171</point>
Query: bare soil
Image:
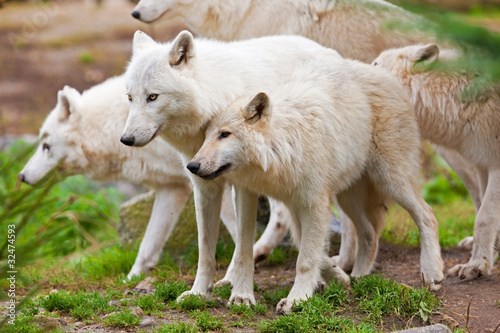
<point>46,46</point>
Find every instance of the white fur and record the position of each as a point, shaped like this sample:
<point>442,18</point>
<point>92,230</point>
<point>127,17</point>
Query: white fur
<point>336,127</point>
<point>194,80</point>
<point>467,125</point>
<point>82,135</point>
<point>355,28</point>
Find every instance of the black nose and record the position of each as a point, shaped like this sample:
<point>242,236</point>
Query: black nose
<point>136,14</point>
<point>127,140</point>
<point>20,177</point>
<point>194,167</point>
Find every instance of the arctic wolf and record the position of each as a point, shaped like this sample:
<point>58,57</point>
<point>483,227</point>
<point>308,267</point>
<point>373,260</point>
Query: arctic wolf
<point>467,125</point>
<point>81,134</point>
<point>336,127</point>
<point>357,29</point>
<point>176,89</point>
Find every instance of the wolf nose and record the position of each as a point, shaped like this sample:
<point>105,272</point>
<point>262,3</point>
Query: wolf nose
<point>127,140</point>
<point>136,14</point>
<point>194,167</point>
<point>20,177</point>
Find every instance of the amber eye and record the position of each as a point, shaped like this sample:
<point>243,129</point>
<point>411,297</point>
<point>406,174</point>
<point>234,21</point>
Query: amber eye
<point>129,98</point>
<point>152,97</point>
<point>45,147</point>
<point>224,135</point>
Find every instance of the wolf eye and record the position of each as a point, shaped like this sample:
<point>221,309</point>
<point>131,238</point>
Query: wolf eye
<point>152,97</point>
<point>224,135</point>
<point>129,98</point>
<point>45,147</point>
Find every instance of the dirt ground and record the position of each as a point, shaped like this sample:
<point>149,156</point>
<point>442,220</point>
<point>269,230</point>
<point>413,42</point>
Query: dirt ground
<point>46,46</point>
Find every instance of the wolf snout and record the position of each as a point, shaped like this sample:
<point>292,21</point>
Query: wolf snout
<point>136,14</point>
<point>194,167</point>
<point>127,140</point>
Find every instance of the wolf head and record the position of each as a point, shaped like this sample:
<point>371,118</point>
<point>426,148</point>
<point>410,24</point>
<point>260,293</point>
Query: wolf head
<point>235,138</point>
<point>151,10</point>
<point>403,60</point>
<point>56,144</point>
<point>157,89</point>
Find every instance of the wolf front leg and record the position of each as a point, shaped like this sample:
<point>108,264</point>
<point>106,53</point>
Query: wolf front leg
<point>311,231</point>
<point>168,204</point>
<point>246,212</point>
<point>486,228</point>
<point>207,199</point>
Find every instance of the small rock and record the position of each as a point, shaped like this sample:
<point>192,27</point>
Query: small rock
<point>137,311</point>
<point>146,322</point>
<point>114,303</point>
<point>146,285</point>
<point>53,291</point>
<point>78,324</point>
<point>48,322</point>
<point>438,328</point>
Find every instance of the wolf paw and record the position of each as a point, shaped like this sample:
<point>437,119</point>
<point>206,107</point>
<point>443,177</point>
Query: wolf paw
<point>466,243</point>
<point>285,306</point>
<point>472,270</point>
<point>433,280</point>
<point>191,292</point>
<point>223,282</point>
<point>261,253</point>
<point>240,300</point>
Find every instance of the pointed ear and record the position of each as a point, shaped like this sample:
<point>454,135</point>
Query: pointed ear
<point>182,49</point>
<point>429,52</point>
<point>68,100</point>
<point>257,108</point>
<point>141,43</point>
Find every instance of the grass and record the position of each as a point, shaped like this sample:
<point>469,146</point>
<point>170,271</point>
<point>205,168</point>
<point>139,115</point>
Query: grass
<point>123,319</point>
<point>90,279</point>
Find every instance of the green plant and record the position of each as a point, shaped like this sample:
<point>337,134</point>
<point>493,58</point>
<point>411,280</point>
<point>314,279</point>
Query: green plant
<point>124,318</point>
<point>169,291</point>
<point>223,292</point>
<point>176,328</point>
<point>273,297</point>
<point>379,297</point>
<point>149,304</point>
<point>277,257</point>
<point>206,322</point>
<point>192,302</point>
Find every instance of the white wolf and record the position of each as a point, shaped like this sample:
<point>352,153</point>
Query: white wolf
<point>467,125</point>
<point>335,127</point>
<point>80,135</point>
<point>175,90</point>
<point>357,29</point>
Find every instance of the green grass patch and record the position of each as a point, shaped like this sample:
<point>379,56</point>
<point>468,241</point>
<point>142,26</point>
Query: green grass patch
<point>79,305</point>
<point>223,292</point>
<point>124,318</point>
<point>176,328</point>
<point>378,297</point>
<point>272,297</point>
<point>277,257</point>
<point>169,291</point>
<point>206,322</point>
<point>149,304</point>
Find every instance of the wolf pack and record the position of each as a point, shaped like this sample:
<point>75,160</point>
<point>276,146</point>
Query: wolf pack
<point>311,103</point>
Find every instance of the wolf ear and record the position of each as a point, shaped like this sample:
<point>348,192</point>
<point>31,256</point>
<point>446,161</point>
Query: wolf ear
<point>67,99</point>
<point>141,43</point>
<point>429,52</point>
<point>257,108</point>
<point>182,49</point>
